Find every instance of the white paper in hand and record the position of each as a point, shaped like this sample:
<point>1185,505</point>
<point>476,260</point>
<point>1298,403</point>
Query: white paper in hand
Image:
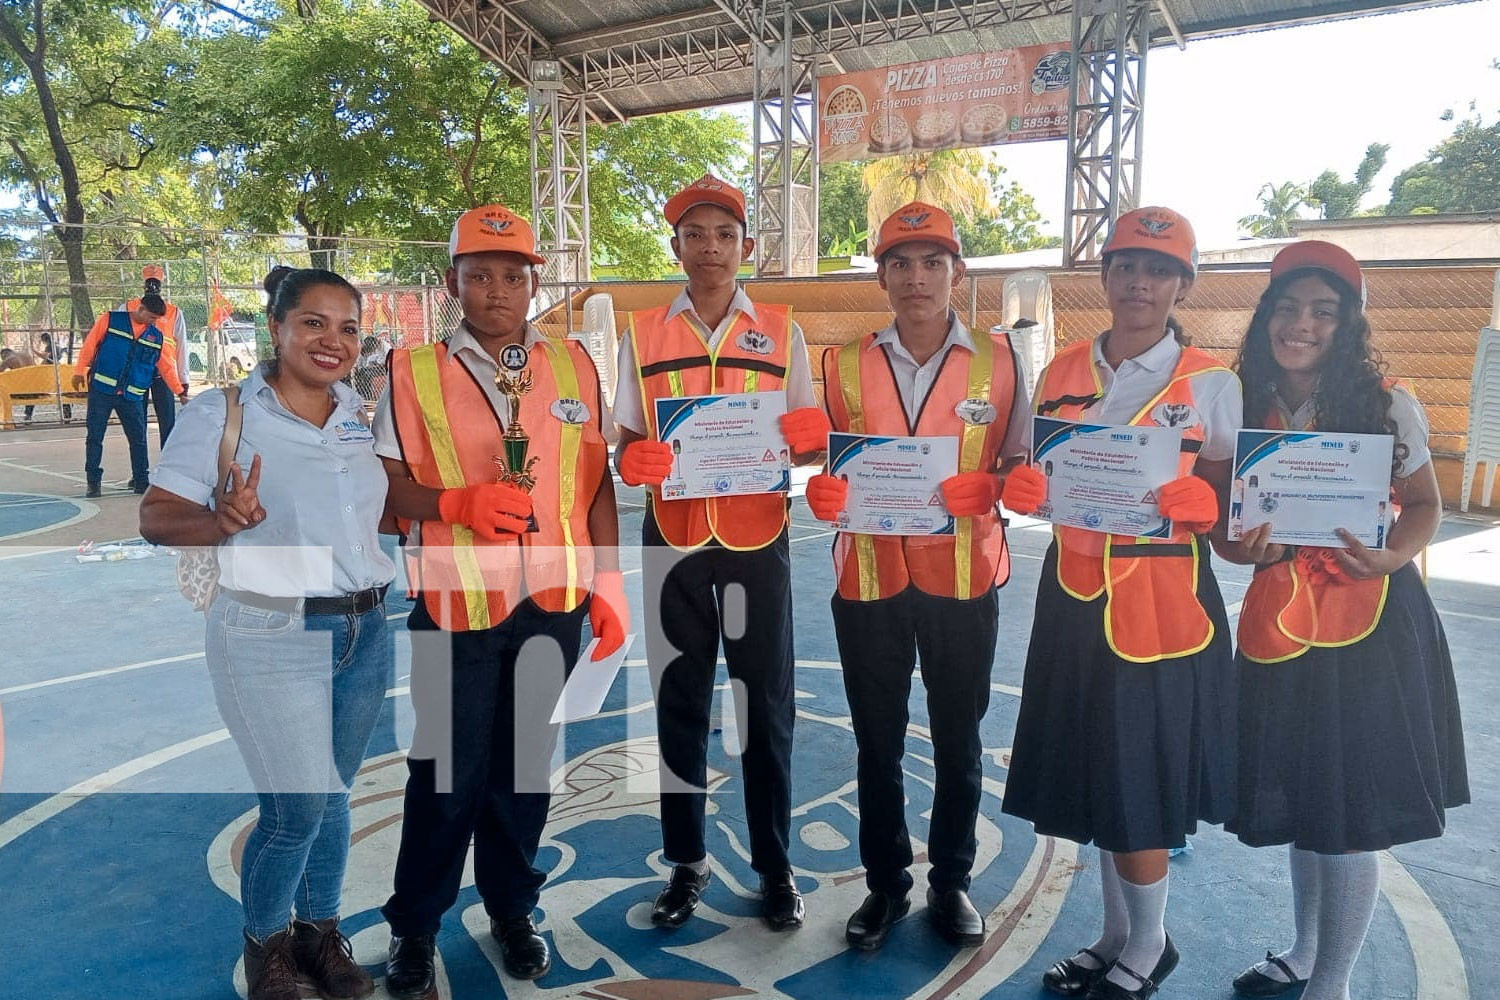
<point>584,693</point>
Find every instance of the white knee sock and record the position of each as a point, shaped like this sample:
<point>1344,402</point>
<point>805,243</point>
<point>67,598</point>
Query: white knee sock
<point>1116,918</point>
<point>1350,885</point>
<point>1146,908</point>
<point>1305,893</point>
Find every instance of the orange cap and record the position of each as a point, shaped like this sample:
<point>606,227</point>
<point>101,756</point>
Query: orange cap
<point>1320,255</point>
<point>493,228</point>
<point>153,272</point>
<point>1159,229</point>
<point>915,222</point>
<point>706,190</point>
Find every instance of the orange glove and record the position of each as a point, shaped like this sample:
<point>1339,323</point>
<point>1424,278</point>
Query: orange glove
<point>970,494</point>
<point>645,463</point>
<point>608,612</point>
<point>496,511</point>
<point>1190,502</point>
<point>827,495</point>
<point>1024,490</point>
<point>806,430</point>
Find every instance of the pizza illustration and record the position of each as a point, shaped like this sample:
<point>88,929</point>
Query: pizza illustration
<point>845,100</point>
<point>984,124</point>
<point>889,133</point>
<point>934,130</point>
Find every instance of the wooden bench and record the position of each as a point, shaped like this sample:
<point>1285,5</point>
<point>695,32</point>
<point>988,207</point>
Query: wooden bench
<point>35,385</point>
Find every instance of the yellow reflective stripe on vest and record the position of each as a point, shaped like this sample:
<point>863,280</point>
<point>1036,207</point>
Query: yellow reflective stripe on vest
<point>429,386</point>
<point>970,451</point>
<point>565,377</point>
<point>849,383</point>
<point>105,379</point>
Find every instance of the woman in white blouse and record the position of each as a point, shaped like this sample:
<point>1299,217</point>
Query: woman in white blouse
<point>297,644</point>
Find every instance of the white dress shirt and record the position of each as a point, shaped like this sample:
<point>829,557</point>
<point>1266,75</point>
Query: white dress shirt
<point>914,381</point>
<point>1216,395</point>
<point>322,488</point>
<point>630,415</point>
<point>1411,447</point>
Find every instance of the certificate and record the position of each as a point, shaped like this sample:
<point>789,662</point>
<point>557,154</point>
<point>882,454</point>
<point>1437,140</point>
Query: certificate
<point>893,483</point>
<point>1104,478</point>
<point>724,445</point>
<point>1308,484</point>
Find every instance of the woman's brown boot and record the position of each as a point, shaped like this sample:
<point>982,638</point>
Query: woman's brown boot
<point>325,957</point>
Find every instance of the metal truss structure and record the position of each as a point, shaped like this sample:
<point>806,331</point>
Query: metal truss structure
<point>1110,40</point>
<point>784,156</point>
<point>617,59</point>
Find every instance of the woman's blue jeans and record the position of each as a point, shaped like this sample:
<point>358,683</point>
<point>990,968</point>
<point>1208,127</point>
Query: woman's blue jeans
<point>301,696</point>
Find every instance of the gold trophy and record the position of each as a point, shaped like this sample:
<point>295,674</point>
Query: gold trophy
<point>513,380</point>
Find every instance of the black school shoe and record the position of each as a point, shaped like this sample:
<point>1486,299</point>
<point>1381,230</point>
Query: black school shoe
<point>781,902</point>
<point>1104,989</point>
<point>955,917</point>
<point>524,951</point>
<point>411,972</point>
<point>1070,978</point>
<point>1253,983</point>
<point>680,898</point>
<point>871,923</point>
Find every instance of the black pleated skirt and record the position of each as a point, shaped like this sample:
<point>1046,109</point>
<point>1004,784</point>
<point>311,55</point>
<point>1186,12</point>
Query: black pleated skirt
<point>1129,756</point>
<point>1354,748</point>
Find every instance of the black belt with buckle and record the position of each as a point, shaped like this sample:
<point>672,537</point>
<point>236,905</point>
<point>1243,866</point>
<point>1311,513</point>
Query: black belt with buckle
<point>345,604</point>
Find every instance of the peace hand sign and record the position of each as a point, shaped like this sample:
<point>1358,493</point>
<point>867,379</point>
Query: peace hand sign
<point>239,506</point>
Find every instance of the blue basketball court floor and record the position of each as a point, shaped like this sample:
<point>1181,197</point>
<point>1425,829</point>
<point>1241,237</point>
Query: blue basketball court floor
<point>124,807</point>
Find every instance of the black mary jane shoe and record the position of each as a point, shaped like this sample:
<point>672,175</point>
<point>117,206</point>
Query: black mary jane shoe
<point>1104,989</point>
<point>680,898</point>
<point>1071,978</point>
<point>1254,983</point>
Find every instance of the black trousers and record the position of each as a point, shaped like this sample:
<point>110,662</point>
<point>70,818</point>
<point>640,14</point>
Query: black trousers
<point>879,643</point>
<point>479,762</point>
<point>165,406</point>
<point>692,602</point>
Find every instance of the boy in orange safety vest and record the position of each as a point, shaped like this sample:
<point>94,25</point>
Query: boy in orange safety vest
<point>493,565</point>
<point>712,340</point>
<point>923,375</point>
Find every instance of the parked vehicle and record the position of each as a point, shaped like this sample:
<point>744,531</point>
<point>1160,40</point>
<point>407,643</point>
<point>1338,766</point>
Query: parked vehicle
<point>237,351</point>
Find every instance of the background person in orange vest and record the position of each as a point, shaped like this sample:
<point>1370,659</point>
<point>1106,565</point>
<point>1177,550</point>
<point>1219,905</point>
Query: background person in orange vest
<point>119,359</point>
<point>1124,737</point>
<point>173,349</point>
<point>711,340</point>
<point>485,586</point>
<point>924,374</point>
<point>1365,690</point>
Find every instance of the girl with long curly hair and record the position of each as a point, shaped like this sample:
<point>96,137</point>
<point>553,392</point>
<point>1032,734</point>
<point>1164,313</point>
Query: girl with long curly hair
<point>1349,733</point>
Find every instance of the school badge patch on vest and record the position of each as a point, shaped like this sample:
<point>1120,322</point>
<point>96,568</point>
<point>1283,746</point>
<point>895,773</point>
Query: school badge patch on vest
<point>755,342</point>
<point>975,412</point>
<point>571,411</point>
<point>1175,415</point>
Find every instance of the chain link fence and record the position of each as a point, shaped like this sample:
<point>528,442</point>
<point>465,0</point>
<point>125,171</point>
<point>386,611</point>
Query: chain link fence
<point>215,280</point>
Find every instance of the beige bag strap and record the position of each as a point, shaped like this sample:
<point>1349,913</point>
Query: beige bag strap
<point>234,419</point>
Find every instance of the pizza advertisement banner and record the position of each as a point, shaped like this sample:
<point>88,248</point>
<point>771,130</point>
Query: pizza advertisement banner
<point>981,99</point>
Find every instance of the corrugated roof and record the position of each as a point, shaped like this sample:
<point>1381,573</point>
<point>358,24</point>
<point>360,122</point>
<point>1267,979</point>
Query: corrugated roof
<point>644,56</point>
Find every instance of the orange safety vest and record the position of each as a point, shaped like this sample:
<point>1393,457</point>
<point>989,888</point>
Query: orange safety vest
<point>1152,611</point>
<point>672,360</point>
<point>1286,613</point>
<point>168,326</point>
<point>863,398</point>
<point>450,437</point>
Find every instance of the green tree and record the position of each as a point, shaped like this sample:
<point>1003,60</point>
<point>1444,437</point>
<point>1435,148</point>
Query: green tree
<point>84,85</point>
<point>951,179</point>
<point>1279,204</point>
<point>841,204</point>
<point>368,118</point>
<point>1336,198</point>
<point>1460,174</point>
<point>1010,225</point>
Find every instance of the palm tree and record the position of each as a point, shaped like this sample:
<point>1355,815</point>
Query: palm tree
<point>952,179</point>
<point>1278,210</point>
